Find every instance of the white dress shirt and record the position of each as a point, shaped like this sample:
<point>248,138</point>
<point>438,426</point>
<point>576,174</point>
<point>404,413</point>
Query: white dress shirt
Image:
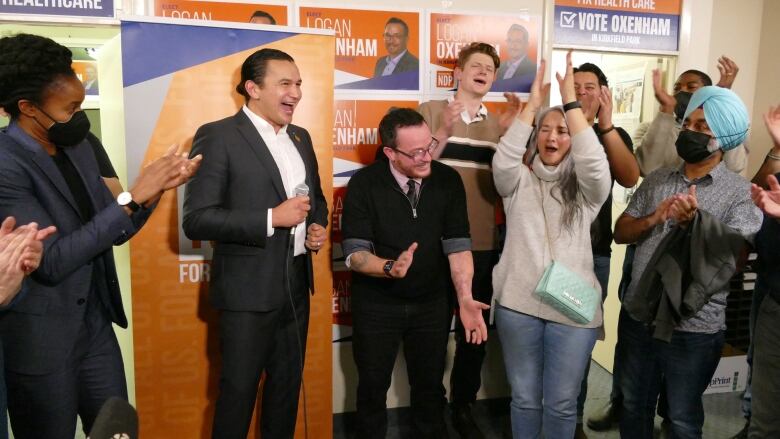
<point>290,165</point>
<point>466,117</point>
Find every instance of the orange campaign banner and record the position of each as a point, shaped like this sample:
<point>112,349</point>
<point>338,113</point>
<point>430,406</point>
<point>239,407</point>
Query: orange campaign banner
<point>175,327</point>
<point>259,13</point>
<point>516,39</point>
<point>375,50</point>
<point>355,143</point>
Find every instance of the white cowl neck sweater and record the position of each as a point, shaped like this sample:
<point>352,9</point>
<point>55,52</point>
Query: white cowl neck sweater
<point>525,192</point>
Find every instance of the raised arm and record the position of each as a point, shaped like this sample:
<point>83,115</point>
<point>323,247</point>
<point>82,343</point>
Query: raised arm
<point>508,159</point>
<point>622,163</point>
<point>771,165</point>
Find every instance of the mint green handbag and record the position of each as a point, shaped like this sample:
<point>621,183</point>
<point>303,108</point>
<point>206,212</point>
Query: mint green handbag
<point>564,289</point>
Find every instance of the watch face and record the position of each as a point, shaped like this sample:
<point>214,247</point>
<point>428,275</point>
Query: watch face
<point>124,198</point>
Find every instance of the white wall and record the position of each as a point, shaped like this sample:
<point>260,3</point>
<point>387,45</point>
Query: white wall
<point>767,83</point>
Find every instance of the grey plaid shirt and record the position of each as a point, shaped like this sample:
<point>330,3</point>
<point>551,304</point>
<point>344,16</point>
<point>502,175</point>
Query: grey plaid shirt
<point>721,193</point>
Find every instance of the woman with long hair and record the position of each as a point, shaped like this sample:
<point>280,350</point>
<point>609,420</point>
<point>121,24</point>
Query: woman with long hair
<point>552,188</point>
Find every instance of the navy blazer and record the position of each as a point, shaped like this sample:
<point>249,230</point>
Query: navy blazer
<point>41,328</point>
<point>227,202</point>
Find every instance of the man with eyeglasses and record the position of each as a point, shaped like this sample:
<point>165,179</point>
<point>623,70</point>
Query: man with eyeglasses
<point>469,135</point>
<point>398,59</point>
<point>404,222</point>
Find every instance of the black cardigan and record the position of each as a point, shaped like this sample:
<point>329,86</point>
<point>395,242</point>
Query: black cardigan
<point>379,218</point>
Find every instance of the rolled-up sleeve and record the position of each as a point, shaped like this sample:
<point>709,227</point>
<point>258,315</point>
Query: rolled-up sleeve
<point>356,226</point>
<point>456,237</point>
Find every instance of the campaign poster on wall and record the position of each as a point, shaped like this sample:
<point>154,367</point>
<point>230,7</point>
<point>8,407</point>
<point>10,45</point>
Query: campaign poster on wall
<point>175,327</point>
<point>355,143</point>
<point>516,39</point>
<point>246,12</point>
<point>73,8</point>
<point>375,50</point>
<point>618,25</point>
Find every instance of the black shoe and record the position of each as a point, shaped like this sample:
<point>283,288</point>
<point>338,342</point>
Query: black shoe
<point>743,434</point>
<point>464,423</point>
<point>605,418</point>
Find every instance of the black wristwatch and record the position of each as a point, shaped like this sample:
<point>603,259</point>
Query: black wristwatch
<point>388,266</point>
<point>571,105</point>
<point>125,199</point>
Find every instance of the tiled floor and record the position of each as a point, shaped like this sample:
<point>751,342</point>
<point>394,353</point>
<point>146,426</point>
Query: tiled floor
<point>723,415</point>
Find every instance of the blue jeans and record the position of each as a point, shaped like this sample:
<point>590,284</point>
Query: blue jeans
<point>545,363</point>
<point>601,269</point>
<point>686,364</point>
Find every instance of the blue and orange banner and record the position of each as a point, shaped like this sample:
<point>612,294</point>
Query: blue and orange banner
<point>174,327</point>
<point>363,45</point>
<point>516,38</point>
<point>618,25</point>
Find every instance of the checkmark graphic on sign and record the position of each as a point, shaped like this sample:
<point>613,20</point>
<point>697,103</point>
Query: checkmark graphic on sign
<point>567,19</point>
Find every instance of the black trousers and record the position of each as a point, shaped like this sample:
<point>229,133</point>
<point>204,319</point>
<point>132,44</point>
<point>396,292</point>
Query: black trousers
<point>379,329</point>
<point>254,342</point>
<point>466,379</point>
<point>45,406</point>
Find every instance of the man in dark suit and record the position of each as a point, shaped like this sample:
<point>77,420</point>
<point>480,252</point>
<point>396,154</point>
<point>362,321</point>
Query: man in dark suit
<point>248,201</point>
<point>398,59</point>
<point>518,66</point>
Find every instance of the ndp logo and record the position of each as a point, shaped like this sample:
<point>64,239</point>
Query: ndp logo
<point>568,19</point>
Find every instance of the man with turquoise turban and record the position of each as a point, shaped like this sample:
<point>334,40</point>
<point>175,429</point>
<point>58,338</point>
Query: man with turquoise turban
<point>689,225</point>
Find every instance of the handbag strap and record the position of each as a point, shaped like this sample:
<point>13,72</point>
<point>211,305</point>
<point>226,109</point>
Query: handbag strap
<point>544,215</point>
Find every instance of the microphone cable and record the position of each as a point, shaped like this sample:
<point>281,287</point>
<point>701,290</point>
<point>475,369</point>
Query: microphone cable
<point>300,190</point>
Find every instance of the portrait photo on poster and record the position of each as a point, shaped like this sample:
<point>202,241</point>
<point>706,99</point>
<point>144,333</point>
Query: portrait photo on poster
<point>375,49</point>
<point>515,38</point>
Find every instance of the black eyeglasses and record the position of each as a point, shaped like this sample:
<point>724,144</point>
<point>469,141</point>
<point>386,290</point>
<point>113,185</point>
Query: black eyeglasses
<point>419,154</point>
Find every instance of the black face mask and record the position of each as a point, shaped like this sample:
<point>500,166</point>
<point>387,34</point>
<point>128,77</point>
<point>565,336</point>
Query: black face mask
<point>692,146</point>
<point>682,98</point>
<point>69,133</point>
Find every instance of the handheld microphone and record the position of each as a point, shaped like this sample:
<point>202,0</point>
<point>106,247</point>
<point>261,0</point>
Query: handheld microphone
<point>117,419</point>
<point>301,190</point>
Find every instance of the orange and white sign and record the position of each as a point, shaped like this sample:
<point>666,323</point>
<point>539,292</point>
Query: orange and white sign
<point>222,11</point>
<point>365,41</point>
<point>516,39</point>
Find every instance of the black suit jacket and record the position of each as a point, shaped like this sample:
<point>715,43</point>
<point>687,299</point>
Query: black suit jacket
<point>41,328</point>
<point>227,202</point>
<point>407,63</point>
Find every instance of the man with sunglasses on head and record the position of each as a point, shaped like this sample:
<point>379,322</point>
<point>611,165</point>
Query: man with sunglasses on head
<point>406,231</point>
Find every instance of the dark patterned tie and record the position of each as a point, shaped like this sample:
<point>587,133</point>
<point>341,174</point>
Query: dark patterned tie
<point>410,193</point>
